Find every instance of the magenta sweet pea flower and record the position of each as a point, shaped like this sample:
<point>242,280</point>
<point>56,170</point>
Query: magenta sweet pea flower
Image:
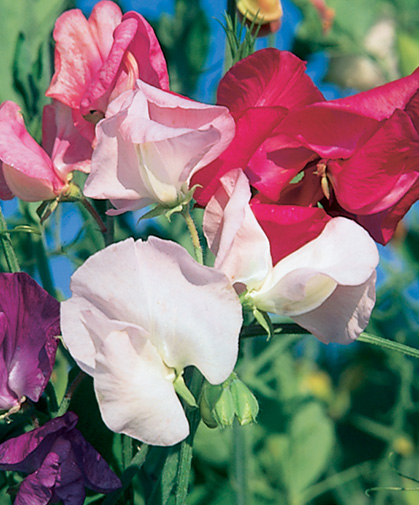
<point>260,91</point>
<point>33,173</point>
<point>98,58</point>
<point>358,155</point>
<point>150,144</point>
<point>60,464</point>
<point>29,323</point>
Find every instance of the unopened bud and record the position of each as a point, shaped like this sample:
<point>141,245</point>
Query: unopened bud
<point>245,404</point>
<point>264,13</point>
<point>220,404</point>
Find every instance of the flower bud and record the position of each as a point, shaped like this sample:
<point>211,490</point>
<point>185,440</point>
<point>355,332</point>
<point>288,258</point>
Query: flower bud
<point>265,13</point>
<point>217,406</point>
<point>220,404</point>
<point>245,404</point>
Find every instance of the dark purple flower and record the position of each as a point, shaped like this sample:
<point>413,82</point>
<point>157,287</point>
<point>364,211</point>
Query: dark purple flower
<point>29,323</point>
<point>61,463</point>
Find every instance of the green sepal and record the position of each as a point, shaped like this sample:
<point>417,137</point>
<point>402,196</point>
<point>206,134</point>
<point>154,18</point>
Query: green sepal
<point>265,321</point>
<point>183,391</point>
<point>245,403</point>
<point>168,211</point>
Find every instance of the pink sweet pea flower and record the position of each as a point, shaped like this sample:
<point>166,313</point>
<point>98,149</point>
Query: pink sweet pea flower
<point>98,58</point>
<point>141,312</point>
<point>150,144</point>
<point>60,464</point>
<point>325,285</point>
<point>29,323</point>
<point>27,170</point>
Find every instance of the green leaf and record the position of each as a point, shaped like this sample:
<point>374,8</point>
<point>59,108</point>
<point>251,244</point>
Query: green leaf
<point>308,449</point>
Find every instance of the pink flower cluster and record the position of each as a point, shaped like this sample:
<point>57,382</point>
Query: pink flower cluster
<point>293,187</point>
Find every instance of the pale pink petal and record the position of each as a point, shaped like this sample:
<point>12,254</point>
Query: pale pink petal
<point>191,311</point>
<point>233,234</point>
<point>343,316</point>
<point>343,254</point>
<point>151,143</point>
<point>115,296</point>
<point>115,172</point>
<point>201,323</point>
<point>133,386</point>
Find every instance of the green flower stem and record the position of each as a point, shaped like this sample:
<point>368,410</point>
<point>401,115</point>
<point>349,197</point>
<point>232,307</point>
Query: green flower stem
<point>390,345</point>
<point>231,8</point>
<point>241,458</point>
<point>65,403</point>
<point>367,338</point>
<point>129,473</point>
<point>9,253</point>
<point>43,264</point>
<point>194,234</point>
<point>185,457</point>
<point>92,211</point>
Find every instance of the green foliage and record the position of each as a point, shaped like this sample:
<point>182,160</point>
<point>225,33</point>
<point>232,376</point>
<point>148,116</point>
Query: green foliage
<point>184,38</point>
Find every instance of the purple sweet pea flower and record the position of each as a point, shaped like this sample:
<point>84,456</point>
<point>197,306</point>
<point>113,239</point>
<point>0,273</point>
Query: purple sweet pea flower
<point>61,463</point>
<point>29,323</point>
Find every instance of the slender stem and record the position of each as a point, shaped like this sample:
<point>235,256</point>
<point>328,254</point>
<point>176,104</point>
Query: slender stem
<point>185,457</point>
<point>367,338</point>
<point>231,8</point>
<point>194,234</point>
<point>65,403</point>
<point>43,265</point>
<point>92,211</point>
<point>9,253</point>
<point>389,345</point>
<point>129,473</point>
<point>109,234</point>
<point>240,463</point>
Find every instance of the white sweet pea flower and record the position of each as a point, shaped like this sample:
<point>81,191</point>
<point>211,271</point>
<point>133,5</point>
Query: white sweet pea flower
<point>140,312</point>
<point>327,286</point>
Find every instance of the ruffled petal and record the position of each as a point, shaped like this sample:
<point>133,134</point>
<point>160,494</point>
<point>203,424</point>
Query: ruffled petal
<point>343,316</point>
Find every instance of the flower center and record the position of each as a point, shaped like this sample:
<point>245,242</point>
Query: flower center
<point>321,171</point>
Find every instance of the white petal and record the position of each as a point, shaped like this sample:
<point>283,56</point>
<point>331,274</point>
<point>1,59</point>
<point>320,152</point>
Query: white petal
<point>343,254</point>
<point>343,316</point>
<point>135,390</point>
<point>195,313</point>
<point>191,312</point>
<point>241,247</point>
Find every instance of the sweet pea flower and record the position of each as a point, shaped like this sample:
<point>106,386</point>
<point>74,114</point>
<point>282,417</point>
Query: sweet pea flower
<point>260,91</point>
<point>33,173</point>
<point>326,286</point>
<point>61,463</point>
<point>29,323</point>
<point>141,312</point>
<point>149,146</point>
<point>357,155</point>
<point>367,148</point>
<point>98,58</point>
